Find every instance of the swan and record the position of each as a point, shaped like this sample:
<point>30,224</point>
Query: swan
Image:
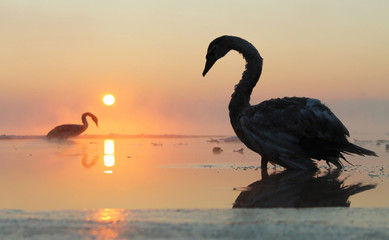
<point>291,131</point>
<point>72,130</point>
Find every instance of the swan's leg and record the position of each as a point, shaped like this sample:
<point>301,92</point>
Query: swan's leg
<point>264,163</point>
<point>328,163</point>
<point>264,168</point>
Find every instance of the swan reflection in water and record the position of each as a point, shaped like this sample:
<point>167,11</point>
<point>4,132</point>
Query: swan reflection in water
<point>109,156</point>
<point>300,189</point>
<point>86,163</point>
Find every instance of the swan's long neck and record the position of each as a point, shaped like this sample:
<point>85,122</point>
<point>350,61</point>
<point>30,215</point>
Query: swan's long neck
<point>84,121</point>
<point>241,96</point>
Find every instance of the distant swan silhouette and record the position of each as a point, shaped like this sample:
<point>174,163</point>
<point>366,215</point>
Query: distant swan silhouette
<point>290,131</point>
<point>71,130</point>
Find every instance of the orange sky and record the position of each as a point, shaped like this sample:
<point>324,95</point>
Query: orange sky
<point>59,58</point>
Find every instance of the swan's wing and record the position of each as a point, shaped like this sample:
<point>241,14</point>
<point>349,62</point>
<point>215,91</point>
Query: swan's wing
<point>66,131</point>
<point>288,127</point>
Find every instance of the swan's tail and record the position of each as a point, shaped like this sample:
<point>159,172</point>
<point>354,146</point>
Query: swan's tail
<point>354,149</point>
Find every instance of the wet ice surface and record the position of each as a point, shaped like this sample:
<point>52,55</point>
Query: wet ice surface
<point>280,223</point>
<point>118,188</point>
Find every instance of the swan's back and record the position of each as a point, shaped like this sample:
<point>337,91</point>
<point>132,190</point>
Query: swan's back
<point>66,131</point>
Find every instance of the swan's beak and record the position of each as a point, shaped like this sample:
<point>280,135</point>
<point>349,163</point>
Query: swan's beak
<point>208,65</point>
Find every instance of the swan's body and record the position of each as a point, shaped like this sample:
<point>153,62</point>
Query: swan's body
<point>71,130</point>
<point>288,131</point>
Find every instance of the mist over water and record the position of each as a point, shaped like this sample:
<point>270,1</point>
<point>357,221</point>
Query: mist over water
<point>361,117</point>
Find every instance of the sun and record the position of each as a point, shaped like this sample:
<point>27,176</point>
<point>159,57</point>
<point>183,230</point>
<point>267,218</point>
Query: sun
<point>108,99</point>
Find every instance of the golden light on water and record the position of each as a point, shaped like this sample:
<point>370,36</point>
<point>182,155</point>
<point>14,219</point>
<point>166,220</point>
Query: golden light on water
<point>109,147</point>
<point>109,160</point>
<point>109,154</point>
<point>109,215</point>
<point>109,219</point>
<point>109,99</point>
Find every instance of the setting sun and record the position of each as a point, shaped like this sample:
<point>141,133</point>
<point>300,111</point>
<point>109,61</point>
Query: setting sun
<point>108,99</point>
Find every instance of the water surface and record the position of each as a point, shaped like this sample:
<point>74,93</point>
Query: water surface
<point>154,173</point>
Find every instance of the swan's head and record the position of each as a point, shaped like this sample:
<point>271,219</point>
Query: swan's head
<point>94,118</point>
<point>217,49</point>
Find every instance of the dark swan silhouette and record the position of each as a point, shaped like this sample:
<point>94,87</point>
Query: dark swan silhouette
<point>290,131</point>
<point>300,189</point>
<point>71,130</point>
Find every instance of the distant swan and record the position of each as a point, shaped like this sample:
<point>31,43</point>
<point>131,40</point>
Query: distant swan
<point>71,130</point>
<point>290,131</point>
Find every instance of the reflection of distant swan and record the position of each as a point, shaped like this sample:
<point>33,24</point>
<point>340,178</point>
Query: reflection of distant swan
<point>85,163</point>
<point>71,130</point>
<point>289,131</point>
<point>299,189</point>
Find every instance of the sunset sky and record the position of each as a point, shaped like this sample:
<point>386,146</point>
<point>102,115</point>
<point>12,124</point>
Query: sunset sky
<point>59,58</point>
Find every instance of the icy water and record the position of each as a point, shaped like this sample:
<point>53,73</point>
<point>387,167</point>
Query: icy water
<point>182,187</point>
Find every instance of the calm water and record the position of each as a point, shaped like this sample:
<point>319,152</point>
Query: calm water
<point>182,188</point>
<point>163,173</point>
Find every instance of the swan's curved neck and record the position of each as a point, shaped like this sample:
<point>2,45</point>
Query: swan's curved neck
<point>241,96</point>
<point>84,121</point>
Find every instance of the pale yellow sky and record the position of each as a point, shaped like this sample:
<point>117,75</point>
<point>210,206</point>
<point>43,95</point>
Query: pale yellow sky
<point>59,58</point>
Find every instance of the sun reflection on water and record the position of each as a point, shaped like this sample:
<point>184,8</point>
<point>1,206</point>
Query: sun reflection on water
<point>109,160</point>
<point>109,222</point>
<point>109,215</point>
<point>109,154</point>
